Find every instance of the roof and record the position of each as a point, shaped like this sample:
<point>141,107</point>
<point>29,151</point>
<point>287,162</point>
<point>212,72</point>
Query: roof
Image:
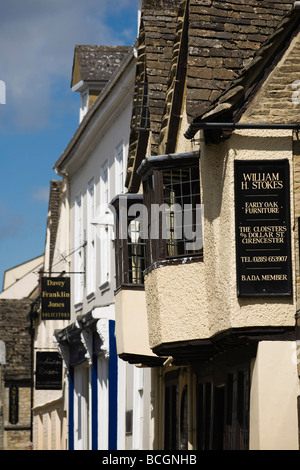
<point>25,287</point>
<point>96,63</point>
<point>16,273</point>
<point>127,63</point>
<point>159,22</point>
<point>232,102</point>
<point>53,215</point>
<point>222,39</point>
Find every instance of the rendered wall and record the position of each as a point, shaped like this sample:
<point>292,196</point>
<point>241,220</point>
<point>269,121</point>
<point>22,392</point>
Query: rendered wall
<point>199,300</point>
<point>273,400</point>
<point>131,323</point>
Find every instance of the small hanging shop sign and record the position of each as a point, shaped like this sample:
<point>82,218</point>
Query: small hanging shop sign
<point>55,298</point>
<point>263,229</point>
<point>48,375</point>
<point>13,404</point>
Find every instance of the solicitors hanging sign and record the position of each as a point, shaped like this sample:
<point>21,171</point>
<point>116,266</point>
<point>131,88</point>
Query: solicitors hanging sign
<point>55,298</point>
<point>263,234</point>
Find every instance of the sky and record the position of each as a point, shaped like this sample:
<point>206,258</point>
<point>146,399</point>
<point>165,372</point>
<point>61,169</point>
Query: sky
<point>39,112</point>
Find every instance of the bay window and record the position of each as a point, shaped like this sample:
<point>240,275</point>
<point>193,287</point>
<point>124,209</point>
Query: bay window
<point>130,245</point>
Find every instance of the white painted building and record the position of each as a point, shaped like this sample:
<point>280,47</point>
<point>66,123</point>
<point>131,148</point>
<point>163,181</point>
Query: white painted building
<point>106,396</point>
<point>49,411</point>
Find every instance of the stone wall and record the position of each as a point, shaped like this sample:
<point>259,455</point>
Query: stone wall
<point>16,334</point>
<point>278,100</point>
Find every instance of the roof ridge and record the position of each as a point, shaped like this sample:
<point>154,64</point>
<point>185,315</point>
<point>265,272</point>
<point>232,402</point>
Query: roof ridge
<point>266,54</point>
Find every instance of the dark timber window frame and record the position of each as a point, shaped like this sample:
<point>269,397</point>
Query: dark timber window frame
<point>171,411</point>
<point>223,411</point>
<point>130,254</point>
<point>158,191</point>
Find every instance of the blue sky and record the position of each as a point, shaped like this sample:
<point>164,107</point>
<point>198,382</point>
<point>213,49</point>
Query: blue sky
<point>41,113</point>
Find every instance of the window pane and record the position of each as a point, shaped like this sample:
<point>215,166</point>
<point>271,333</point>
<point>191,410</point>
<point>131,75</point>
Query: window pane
<point>136,254</point>
<point>181,196</point>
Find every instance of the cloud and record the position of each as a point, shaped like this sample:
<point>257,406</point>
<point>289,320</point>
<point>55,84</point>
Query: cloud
<point>41,194</point>
<point>37,44</point>
<point>10,224</point>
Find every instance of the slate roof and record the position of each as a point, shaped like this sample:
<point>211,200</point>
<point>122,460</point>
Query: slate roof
<point>98,63</point>
<point>53,214</point>
<point>229,106</point>
<point>223,37</point>
<point>159,20</point>
<point>127,62</point>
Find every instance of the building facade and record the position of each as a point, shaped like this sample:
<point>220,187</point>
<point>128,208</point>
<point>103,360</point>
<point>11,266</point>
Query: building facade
<point>16,373</point>
<point>105,395</point>
<point>176,221</point>
<point>213,151</point>
<point>49,408</point>
<point>19,294</point>
<point>2,365</point>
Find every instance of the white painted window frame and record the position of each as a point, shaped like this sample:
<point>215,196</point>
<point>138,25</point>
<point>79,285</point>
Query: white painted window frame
<point>91,245</point>
<point>103,401</point>
<point>104,230</point>
<point>120,168</point>
<point>84,104</point>
<point>82,412</point>
<point>78,250</point>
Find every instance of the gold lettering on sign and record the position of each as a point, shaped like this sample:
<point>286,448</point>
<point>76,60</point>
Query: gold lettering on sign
<point>56,294</point>
<point>55,283</point>
<point>55,315</point>
<point>261,207</point>
<point>264,277</point>
<point>261,181</point>
<point>274,234</point>
<point>263,228</point>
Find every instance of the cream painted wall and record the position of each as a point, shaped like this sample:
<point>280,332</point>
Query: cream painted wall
<point>176,303</point>
<point>217,170</point>
<point>131,323</point>
<point>199,300</point>
<point>273,400</point>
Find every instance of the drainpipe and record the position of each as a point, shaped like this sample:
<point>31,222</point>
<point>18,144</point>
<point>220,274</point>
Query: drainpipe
<point>190,411</point>
<point>297,317</point>
<point>32,317</point>
<point>2,394</point>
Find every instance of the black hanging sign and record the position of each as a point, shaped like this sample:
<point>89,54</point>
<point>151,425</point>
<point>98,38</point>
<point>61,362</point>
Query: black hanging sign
<point>263,233</point>
<point>48,375</point>
<point>13,404</point>
<point>55,298</point>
